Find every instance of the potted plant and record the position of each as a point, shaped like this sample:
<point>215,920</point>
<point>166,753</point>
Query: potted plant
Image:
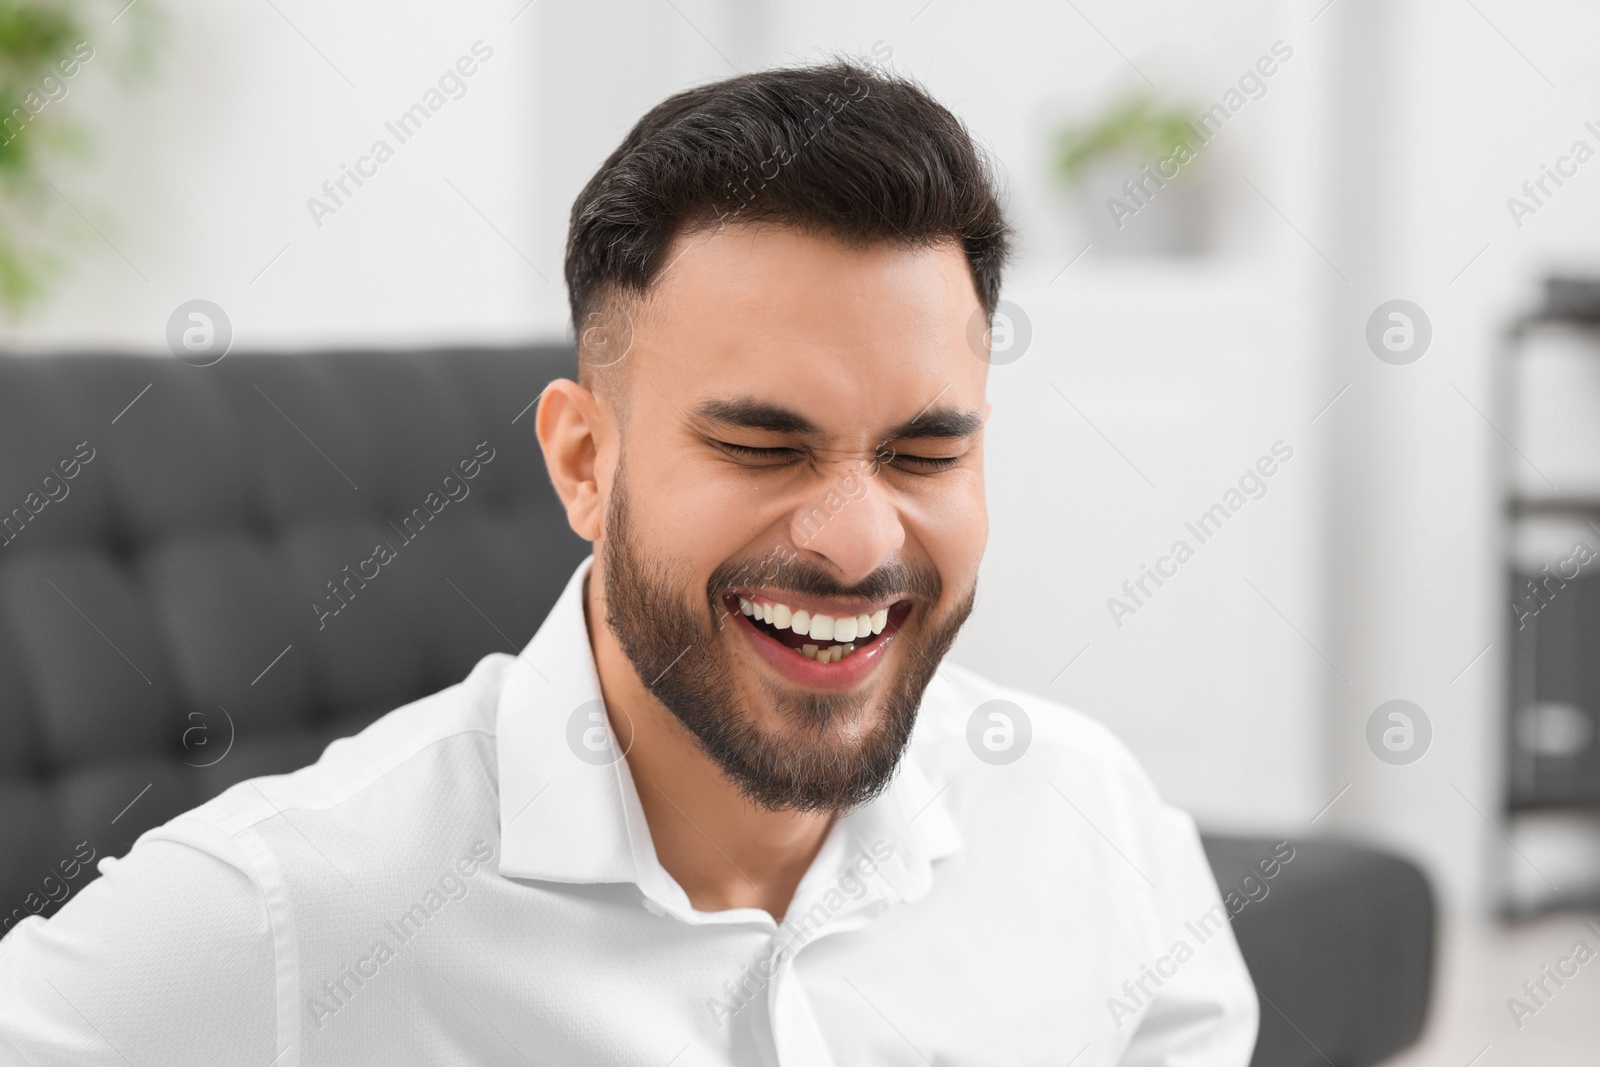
<point>45,46</point>
<point>1131,172</point>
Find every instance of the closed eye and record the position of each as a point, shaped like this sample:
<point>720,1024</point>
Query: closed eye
<point>780,457</point>
<point>767,457</point>
<point>925,464</point>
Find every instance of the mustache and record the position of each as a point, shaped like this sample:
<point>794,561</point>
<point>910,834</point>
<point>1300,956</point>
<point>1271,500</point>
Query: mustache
<point>782,571</point>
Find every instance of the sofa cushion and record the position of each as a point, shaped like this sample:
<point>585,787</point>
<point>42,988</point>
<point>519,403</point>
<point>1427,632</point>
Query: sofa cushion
<point>190,592</point>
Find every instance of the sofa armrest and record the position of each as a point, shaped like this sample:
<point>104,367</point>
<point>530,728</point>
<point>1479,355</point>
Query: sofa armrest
<point>1339,940</point>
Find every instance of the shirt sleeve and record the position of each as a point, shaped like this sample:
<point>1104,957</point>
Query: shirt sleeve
<point>1205,1012</point>
<point>166,958</point>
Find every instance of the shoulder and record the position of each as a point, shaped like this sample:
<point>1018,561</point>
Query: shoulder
<point>962,706</point>
<point>211,906</point>
<point>165,929</point>
<point>1072,789</point>
<point>404,758</point>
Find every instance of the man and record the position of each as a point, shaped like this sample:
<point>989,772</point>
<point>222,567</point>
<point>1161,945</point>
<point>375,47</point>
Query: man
<point>729,806</point>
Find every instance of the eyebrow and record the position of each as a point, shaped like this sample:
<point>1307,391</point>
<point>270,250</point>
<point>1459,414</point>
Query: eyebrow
<point>757,415</point>
<point>937,423</point>
<point>931,424</point>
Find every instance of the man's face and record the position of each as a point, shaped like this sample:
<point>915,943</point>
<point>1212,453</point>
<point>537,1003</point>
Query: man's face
<point>803,437</point>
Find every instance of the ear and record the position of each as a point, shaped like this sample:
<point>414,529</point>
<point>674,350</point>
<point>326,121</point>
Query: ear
<point>570,426</point>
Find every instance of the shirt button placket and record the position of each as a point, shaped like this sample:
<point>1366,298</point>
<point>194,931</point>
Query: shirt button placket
<point>796,1034</point>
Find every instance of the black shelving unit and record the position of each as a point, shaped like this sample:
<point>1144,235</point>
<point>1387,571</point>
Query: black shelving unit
<point>1552,725</point>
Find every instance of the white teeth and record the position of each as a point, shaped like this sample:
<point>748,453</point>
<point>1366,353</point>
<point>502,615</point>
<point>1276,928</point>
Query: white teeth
<point>831,632</point>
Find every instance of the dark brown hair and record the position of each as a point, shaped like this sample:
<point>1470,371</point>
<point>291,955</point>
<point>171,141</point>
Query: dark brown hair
<point>837,148</point>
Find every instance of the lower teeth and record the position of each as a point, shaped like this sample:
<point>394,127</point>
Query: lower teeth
<point>831,654</point>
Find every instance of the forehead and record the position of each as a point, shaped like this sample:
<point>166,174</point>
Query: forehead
<point>845,336</point>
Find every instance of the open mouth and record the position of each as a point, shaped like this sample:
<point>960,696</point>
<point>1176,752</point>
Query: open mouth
<point>824,638</point>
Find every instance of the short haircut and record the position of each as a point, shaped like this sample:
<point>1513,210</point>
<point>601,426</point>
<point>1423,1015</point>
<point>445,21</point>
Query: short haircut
<point>837,149</point>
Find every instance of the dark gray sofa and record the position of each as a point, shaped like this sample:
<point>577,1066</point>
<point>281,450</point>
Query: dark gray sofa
<point>190,595</point>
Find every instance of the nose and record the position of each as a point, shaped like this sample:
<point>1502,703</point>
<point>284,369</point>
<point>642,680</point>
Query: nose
<point>851,521</point>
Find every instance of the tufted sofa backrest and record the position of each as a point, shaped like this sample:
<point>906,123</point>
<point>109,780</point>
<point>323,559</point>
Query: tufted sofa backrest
<point>209,573</point>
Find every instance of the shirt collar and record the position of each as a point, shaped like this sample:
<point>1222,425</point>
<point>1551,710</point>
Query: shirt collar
<point>569,811</point>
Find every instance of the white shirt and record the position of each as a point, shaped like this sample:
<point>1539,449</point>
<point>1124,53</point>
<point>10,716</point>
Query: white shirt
<point>459,884</point>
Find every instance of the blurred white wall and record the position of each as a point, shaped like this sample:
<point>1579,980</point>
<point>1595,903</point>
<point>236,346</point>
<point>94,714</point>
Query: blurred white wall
<point>1377,166</point>
<point>1437,114</point>
<point>201,182</point>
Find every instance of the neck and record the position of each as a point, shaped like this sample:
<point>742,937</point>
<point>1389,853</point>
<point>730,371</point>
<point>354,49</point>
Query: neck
<point>723,850</point>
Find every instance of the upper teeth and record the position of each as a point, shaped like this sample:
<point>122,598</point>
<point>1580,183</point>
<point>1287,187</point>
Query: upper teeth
<point>842,628</point>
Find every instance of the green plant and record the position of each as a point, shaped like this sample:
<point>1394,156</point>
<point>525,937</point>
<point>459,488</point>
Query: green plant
<point>44,45</point>
<point>1136,125</point>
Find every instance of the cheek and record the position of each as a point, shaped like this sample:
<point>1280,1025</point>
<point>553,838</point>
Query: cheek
<point>951,525</point>
<point>689,514</point>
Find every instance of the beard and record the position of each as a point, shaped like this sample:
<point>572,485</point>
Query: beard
<point>823,761</point>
